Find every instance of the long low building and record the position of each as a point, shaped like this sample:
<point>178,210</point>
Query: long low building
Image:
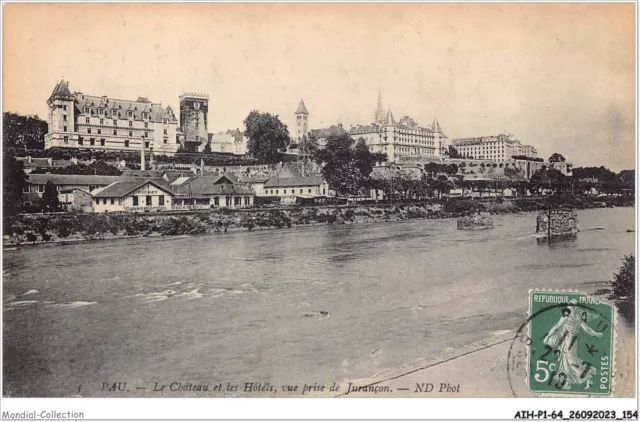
<point>37,182</point>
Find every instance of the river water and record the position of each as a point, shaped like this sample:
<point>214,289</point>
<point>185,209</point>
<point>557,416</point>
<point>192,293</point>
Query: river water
<point>232,307</point>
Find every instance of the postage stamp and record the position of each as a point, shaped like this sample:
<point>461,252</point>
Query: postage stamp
<point>571,345</point>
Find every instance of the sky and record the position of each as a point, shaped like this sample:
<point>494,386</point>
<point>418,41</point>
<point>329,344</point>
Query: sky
<point>560,77</point>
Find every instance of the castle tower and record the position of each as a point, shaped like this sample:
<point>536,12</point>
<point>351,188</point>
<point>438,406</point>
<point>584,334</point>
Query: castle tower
<point>194,109</point>
<point>61,118</point>
<point>302,121</point>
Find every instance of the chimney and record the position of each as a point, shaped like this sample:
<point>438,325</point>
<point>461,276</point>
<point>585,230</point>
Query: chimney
<point>201,166</point>
<point>143,165</point>
<point>152,164</point>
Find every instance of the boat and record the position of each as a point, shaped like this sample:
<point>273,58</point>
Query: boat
<point>478,221</point>
<point>564,223</point>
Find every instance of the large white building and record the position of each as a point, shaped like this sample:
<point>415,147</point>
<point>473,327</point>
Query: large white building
<point>500,147</point>
<point>77,120</point>
<point>403,139</point>
<point>231,141</point>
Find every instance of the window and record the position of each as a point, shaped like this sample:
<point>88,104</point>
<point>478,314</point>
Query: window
<point>146,134</point>
<point>64,128</point>
<point>272,191</point>
<point>115,122</point>
<point>129,114</point>
<point>102,142</point>
<point>99,131</point>
<point>146,125</point>
<point>247,201</point>
<point>276,191</point>
<point>148,200</point>
<point>41,188</point>
<point>101,111</point>
<point>309,190</point>
<point>236,201</point>
<point>161,200</point>
<point>101,121</point>
<point>284,191</point>
<point>97,201</point>
<point>115,131</point>
<point>131,133</point>
<point>104,201</point>
<point>89,130</point>
<point>165,131</point>
<point>87,110</point>
<point>146,144</point>
<point>197,124</point>
<point>113,201</point>
<point>119,201</point>
<point>114,113</point>
<point>79,141</point>
<point>126,144</point>
<point>92,142</point>
<point>64,118</point>
<point>145,116</point>
<point>64,107</point>
<point>196,106</point>
<point>216,201</point>
<point>323,191</point>
<point>130,123</point>
<point>300,190</point>
<point>66,139</point>
<point>165,121</point>
<point>166,140</point>
<point>25,189</point>
<point>135,201</point>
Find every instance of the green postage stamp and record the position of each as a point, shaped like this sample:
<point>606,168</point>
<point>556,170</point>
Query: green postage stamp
<point>571,348</point>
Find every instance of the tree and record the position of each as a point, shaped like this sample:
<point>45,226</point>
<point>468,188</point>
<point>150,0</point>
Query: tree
<point>14,183</point>
<point>363,159</point>
<point>308,146</point>
<point>268,136</point>
<point>452,152</point>
<point>556,158</point>
<point>624,281</point>
<point>50,197</point>
<point>23,132</point>
<point>338,169</point>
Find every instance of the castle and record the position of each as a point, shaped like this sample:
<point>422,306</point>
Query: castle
<point>78,120</point>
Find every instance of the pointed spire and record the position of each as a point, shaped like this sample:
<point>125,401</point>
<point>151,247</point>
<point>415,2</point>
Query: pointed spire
<point>390,120</point>
<point>301,108</point>
<point>378,116</point>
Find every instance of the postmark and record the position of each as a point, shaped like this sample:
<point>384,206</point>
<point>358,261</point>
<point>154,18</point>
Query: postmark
<point>566,346</point>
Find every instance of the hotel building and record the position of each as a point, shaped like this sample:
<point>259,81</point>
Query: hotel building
<point>401,140</point>
<point>499,148</point>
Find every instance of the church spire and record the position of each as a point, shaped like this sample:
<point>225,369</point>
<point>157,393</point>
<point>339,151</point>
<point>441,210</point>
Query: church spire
<point>378,117</point>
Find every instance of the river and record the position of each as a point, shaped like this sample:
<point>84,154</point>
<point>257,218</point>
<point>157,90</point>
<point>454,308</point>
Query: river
<point>231,307</point>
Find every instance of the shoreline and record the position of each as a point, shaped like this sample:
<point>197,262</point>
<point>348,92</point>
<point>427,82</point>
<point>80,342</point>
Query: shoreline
<point>70,228</point>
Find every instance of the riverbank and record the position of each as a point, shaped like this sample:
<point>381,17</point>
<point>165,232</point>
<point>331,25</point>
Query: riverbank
<point>76,227</point>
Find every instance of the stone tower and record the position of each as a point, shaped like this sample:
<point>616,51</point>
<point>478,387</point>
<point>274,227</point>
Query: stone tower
<point>61,118</point>
<point>302,121</point>
<point>194,110</point>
